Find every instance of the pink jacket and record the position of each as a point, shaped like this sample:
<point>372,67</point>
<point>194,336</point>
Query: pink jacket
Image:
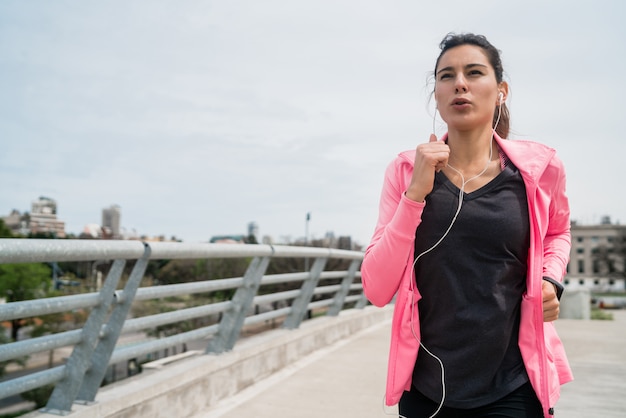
<point>387,267</point>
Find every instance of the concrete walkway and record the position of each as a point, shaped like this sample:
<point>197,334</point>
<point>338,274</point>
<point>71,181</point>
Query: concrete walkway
<point>347,379</point>
<point>597,352</point>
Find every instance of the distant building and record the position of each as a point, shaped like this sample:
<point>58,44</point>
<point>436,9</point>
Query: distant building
<point>253,231</point>
<point>111,221</point>
<point>597,257</point>
<point>91,231</point>
<point>345,243</point>
<point>17,222</point>
<point>44,205</point>
<point>160,238</point>
<point>330,240</point>
<point>43,218</point>
<point>228,239</point>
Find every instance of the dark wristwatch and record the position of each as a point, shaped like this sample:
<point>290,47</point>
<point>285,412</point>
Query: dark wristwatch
<point>557,285</point>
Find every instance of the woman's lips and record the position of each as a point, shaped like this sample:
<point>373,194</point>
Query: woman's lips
<point>460,104</point>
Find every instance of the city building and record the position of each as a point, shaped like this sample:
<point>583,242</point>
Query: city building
<point>111,221</point>
<point>228,239</point>
<point>44,205</point>
<point>91,231</point>
<point>597,257</point>
<point>43,218</point>
<point>345,243</point>
<point>17,222</point>
<point>253,231</point>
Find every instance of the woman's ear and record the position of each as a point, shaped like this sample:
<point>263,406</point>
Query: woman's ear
<point>503,92</point>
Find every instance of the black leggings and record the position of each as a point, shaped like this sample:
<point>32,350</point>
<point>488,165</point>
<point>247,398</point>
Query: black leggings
<point>521,403</point>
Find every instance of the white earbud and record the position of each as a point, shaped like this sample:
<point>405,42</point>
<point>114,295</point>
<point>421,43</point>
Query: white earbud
<point>500,97</point>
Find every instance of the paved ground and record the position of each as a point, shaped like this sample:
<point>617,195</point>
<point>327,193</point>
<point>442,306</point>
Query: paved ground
<point>597,352</point>
<point>347,378</point>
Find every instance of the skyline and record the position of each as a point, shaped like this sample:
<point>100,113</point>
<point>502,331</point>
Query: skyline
<point>132,233</point>
<point>201,116</point>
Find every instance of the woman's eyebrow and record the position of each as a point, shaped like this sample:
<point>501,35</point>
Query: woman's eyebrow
<point>468,66</point>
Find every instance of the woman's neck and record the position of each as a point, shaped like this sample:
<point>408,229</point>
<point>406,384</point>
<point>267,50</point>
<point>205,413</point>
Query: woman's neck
<point>470,149</point>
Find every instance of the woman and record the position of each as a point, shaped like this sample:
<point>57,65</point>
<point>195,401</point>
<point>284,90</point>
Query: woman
<point>473,240</point>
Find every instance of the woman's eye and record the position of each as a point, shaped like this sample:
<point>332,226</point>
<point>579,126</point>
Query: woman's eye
<point>443,76</point>
<point>475,72</point>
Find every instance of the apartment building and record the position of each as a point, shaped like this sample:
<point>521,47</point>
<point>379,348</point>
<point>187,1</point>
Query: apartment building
<point>111,221</point>
<point>43,218</point>
<point>597,257</point>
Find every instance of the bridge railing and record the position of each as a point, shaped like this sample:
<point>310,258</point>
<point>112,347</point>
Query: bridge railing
<point>96,343</point>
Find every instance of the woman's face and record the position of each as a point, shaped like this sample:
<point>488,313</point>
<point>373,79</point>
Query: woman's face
<point>466,89</point>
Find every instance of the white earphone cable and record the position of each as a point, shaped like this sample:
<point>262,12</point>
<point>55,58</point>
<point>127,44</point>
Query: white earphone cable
<point>456,214</point>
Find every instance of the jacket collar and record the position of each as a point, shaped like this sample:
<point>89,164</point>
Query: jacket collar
<point>530,158</point>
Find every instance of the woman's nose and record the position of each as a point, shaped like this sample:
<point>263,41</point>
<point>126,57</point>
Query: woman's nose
<point>460,84</point>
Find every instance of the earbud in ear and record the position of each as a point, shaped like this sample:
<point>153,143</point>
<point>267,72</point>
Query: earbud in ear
<point>501,97</point>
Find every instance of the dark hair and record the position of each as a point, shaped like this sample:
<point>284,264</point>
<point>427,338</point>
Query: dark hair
<point>452,40</point>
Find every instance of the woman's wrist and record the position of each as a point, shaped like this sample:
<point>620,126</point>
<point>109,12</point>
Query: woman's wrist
<point>415,196</point>
<point>558,287</point>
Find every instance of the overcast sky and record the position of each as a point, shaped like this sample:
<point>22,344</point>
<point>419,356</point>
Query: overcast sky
<point>197,117</point>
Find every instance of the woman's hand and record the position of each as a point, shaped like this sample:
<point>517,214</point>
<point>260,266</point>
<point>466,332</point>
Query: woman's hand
<point>550,302</point>
<point>429,158</point>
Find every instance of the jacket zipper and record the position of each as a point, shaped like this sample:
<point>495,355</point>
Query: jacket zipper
<point>540,340</point>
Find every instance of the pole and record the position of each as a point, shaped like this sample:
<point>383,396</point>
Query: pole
<point>306,239</point>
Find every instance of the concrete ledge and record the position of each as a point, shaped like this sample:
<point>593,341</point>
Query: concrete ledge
<point>575,304</point>
<point>157,364</point>
<point>185,387</point>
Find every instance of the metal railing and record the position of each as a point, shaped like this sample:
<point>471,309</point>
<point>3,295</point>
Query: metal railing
<point>96,344</point>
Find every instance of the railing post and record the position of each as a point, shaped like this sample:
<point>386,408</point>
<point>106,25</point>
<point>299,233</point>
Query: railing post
<point>64,393</point>
<point>233,319</point>
<point>300,304</point>
<point>362,302</point>
<point>340,296</point>
<point>106,345</point>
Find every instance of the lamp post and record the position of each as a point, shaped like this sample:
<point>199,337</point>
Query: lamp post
<point>306,239</point>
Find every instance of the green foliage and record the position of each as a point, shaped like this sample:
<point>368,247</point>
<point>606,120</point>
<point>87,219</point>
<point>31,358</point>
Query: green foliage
<point>42,235</point>
<point>154,266</point>
<point>599,314</point>
<point>23,282</point>
<point>39,395</point>
<point>176,271</point>
<point>153,307</point>
<point>4,364</point>
<point>185,271</point>
<point>5,232</point>
<point>52,324</point>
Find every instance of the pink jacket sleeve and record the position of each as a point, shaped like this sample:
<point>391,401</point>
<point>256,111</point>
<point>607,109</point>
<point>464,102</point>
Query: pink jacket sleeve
<point>557,241</point>
<point>390,251</point>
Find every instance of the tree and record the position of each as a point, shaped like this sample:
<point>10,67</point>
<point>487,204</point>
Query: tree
<point>23,282</point>
<point>4,364</point>
<point>620,253</point>
<point>185,271</point>
<point>250,239</point>
<point>5,232</point>
<point>49,324</point>
<point>602,260</point>
<point>39,396</point>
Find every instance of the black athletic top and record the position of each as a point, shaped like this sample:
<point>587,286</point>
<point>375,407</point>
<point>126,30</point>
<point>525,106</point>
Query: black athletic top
<point>471,286</point>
